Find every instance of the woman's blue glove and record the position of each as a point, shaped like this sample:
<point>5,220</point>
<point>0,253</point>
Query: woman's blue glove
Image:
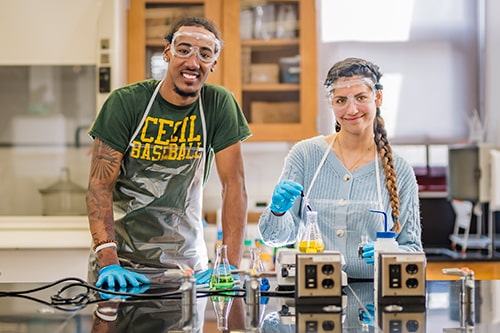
<point>284,195</point>
<point>109,274</point>
<point>367,315</point>
<point>204,276</point>
<point>368,253</point>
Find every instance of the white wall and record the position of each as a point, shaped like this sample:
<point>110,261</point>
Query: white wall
<point>46,32</point>
<point>492,71</point>
<point>428,61</point>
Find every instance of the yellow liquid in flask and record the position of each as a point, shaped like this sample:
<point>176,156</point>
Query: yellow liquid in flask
<point>312,246</point>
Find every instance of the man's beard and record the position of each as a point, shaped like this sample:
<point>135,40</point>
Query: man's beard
<point>182,93</point>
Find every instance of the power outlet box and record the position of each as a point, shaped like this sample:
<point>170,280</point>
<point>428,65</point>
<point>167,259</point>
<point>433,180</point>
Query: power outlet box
<point>319,322</point>
<point>402,278</point>
<point>318,278</point>
<point>403,319</point>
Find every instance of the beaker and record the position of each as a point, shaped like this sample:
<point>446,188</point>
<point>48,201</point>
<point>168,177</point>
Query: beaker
<point>311,241</point>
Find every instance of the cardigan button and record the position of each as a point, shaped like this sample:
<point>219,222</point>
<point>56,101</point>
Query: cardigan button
<point>340,233</point>
<point>347,177</point>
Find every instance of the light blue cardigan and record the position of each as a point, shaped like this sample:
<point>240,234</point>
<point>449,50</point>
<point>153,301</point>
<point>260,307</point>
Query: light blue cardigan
<point>343,200</point>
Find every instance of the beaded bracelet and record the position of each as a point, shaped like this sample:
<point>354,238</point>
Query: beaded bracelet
<point>108,242</point>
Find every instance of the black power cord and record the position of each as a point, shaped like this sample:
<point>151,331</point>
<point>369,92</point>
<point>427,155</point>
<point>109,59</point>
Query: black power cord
<point>66,299</point>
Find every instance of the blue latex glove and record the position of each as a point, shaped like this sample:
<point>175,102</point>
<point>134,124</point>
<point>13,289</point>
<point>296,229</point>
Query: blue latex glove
<point>367,318</point>
<point>264,284</point>
<point>284,195</point>
<point>134,290</point>
<point>204,276</point>
<point>115,273</point>
<point>368,253</point>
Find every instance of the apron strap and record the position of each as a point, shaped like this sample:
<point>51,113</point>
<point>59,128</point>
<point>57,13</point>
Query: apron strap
<point>323,159</point>
<point>146,113</point>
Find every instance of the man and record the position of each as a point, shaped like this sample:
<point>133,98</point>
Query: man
<point>154,145</point>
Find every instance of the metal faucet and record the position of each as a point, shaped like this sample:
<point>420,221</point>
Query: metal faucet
<point>188,288</point>
<point>252,299</point>
<point>467,295</point>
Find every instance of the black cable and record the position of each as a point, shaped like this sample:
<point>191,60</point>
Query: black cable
<point>82,299</point>
<point>49,285</point>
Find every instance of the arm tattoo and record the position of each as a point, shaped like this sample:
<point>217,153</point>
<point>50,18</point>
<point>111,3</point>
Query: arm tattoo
<point>105,159</point>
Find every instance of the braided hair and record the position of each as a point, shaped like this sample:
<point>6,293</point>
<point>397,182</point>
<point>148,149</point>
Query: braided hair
<point>359,67</point>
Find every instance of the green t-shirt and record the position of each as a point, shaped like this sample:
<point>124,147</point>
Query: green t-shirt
<point>170,126</point>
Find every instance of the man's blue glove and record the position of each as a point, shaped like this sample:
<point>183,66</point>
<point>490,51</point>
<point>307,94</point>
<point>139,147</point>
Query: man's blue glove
<point>134,290</point>
<point>284,195</point>
<point>204,276</point>
<point>109,274</point>
<point>367,316</point>
<point>368,253</point>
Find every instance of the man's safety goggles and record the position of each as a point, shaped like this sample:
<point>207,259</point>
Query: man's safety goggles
<point>184,44</point>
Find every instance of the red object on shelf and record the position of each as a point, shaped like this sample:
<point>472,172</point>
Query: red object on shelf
<point>431,179</point>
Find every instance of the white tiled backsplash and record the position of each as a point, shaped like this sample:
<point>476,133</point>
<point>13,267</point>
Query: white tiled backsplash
<point>263,164</point>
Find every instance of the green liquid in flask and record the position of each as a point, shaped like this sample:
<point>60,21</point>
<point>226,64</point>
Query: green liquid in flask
<point>221,282</point>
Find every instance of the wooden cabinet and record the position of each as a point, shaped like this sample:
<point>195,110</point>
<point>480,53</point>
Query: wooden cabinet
<point>268,60</point>
<point>281,108</point>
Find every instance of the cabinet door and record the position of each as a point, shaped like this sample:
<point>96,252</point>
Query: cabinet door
<point>270,65</point>
<point>148,22</point>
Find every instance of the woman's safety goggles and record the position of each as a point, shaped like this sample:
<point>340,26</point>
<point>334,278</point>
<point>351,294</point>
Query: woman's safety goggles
<point>184,44</point>
<point>340,102</point>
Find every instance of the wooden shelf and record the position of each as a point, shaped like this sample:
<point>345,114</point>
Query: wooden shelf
<point>269,43</point>
<point>156,42</point>
<point>271,87</point>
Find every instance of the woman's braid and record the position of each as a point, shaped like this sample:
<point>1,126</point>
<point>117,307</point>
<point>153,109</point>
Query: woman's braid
<point>385,152</point>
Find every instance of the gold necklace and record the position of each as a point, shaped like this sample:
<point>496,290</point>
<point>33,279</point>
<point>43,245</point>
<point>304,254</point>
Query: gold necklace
<point>356,163</point>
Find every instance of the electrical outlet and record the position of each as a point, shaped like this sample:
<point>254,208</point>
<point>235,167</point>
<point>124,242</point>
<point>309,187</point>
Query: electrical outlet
<point>318,278</point>
<point>319,322</point>
<point>402,278</point>
<point>402,319</point>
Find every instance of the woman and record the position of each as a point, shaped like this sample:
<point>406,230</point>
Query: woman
<point>342,176</point>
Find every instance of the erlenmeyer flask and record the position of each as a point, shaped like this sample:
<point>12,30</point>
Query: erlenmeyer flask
<point>222,307</point>
<point>221,273</point>
<point>256,260</point>
<point>311,241</point>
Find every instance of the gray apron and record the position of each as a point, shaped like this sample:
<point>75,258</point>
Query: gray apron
<point>158,205</point>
